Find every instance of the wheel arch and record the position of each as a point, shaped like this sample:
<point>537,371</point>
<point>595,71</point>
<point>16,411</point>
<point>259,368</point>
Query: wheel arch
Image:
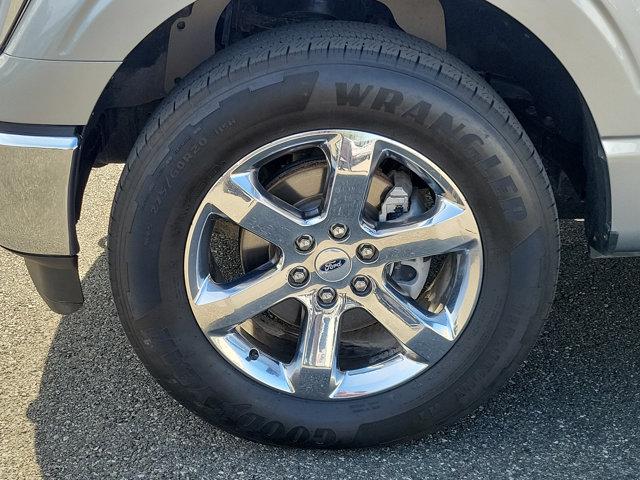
<point>83,30</point>
<point>559,120</point>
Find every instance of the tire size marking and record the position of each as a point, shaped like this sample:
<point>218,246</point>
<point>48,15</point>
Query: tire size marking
<point>174,172</point>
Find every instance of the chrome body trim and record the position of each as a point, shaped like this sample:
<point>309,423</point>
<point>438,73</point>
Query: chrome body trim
<point>37,194</point>
<point>623,162</point>
<point>29,141</point>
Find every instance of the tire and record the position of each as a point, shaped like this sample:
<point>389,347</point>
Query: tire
<point>293,80</point>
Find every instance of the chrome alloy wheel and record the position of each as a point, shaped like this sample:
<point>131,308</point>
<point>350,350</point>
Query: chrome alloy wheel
<point>334,261</point>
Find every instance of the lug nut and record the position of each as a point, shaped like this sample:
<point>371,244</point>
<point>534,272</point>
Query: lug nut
<point>298,276</point>
<point>339,231</point>
<point>367,252</point>
<point>254,354</point>
<point>327,296</point>
<point>305,243</point>
<point>361,285</point>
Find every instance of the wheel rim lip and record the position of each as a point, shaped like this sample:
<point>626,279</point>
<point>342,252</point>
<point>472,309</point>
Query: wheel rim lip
<point>382,376</point>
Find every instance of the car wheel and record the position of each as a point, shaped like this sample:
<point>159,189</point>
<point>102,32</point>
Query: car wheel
<point>333,235</point>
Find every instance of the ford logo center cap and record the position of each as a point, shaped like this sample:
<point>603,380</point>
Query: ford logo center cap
<point>333,265</point>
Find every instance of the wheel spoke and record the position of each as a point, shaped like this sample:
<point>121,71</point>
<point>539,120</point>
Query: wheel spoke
<point>451,228</point>
<point>428,336</point>
<point>314,372</point>
<point>353,159</point>
<point>220,308</point>
<point>244,201</point>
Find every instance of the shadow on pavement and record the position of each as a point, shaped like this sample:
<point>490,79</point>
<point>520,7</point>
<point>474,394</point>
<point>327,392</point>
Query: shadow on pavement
<point>573,409</point>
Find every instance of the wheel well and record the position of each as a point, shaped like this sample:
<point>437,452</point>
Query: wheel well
<point>529,77</point>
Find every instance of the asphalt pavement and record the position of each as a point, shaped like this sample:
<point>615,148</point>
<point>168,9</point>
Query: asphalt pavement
<point>76,403</point>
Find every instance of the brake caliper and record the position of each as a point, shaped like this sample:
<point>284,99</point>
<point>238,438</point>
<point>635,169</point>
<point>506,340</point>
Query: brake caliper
<point>402,204</point>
